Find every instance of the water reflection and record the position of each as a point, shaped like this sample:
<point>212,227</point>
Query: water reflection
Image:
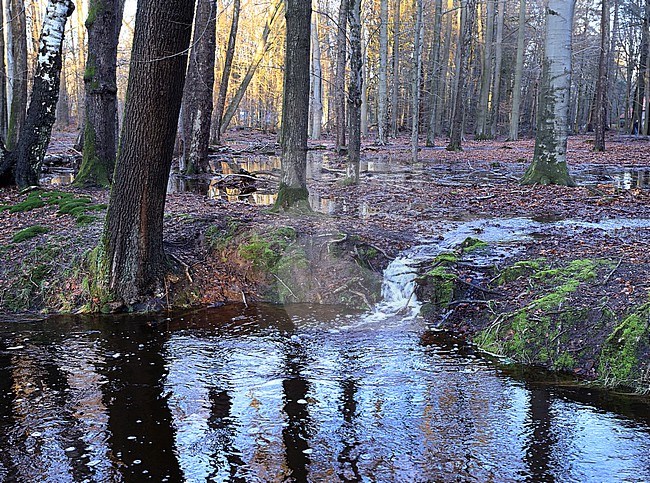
<point>266,393</point>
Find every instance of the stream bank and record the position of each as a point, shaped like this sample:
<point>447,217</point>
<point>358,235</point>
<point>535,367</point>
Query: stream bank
<point>228,247</point>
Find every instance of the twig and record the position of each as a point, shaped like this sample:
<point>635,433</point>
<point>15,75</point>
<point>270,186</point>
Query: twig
<point>467,301</point>
<point>185,266</point>
<point>243,296</point>
<point>285,286</point>
<point>609,275</point>
<point>477,287</point>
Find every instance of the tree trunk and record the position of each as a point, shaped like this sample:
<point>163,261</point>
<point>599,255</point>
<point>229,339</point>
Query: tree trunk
<point>295,109</point>
<point>602,83</point>
<point>217,115</point>
<point>354,90</point>
<point>417,75</point>
<point>435,75</point>
<point>519,70</point>
<point>549,164</point>
<point>3,84</point>
<point>468,14</point>
<point>63,104</point>
<point>486,74</point>
<point>383,73</point>
<point>100,79</point>
<point>498,61</point>
<point>317,84</point>
<point>131,260</point>
<point>394,105</point>
<point>19,55</point>
<point>364,83</point>
<point>637,108</point>
<point>339,80</point>
<point>197,96</point>
<point>261,51</point>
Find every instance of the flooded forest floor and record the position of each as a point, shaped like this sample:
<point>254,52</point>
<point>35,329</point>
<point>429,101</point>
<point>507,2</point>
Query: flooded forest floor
<point>544,275</point>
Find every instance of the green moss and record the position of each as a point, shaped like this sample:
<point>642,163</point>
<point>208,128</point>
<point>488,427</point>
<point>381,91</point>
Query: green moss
<point>470,244</point>
<point>519,269</point>
<point>565,362</point>
<point>619,363</point>
<point>446,257</point>
<point>29,233</point>
<point>32,202</point>
<point>93,171</point>
<point>219,238</point>
<point>95,8</point>
<point>443,283</point>
<point>292,199</point>
<point>259,251</point>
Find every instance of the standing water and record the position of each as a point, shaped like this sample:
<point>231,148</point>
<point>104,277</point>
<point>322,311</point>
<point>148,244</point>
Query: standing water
<point>296,393</point>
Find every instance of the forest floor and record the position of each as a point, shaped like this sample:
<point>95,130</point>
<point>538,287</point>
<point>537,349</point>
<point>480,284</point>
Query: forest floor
<point>568,292</point>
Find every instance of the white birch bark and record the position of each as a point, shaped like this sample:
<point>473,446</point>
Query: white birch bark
<point>549,163</point>
<point>417,54</point>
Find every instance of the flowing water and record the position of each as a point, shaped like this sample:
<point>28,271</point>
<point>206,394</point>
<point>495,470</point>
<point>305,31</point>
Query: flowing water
<point>300,393</point>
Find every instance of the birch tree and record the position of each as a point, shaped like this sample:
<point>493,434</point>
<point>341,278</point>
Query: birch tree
<point>394,105</point>
<point>498,61</point>
<point>549,164</point>
<point>22,166</point>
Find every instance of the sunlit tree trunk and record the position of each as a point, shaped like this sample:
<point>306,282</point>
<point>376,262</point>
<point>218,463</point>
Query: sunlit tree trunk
<point>295,107</point>
<point>220,105</point>
<point>18,25</point>
<point>364,83</point>
<point>486,73</point>
<point>549,164</point>
<point>354,90</point>
<point>395,91</point>
<point>131,259</point>
<point>498,61</point>
<point>262,48</point>
<point>519,70</point>
<point>383,73</point>
<point>468,15</point>
<point>196,112</point>
<point>339,80</point>
<point>417,76</point>
<point>602,83</point>
<point>435,75</point>
<point>317,84</point>
<point>100,77</point>
<point>639,99</point>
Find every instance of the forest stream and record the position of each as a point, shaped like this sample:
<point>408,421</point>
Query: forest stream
<point>300,393</point>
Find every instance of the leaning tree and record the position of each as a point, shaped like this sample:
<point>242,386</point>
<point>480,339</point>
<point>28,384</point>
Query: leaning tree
<point>131,263</point>
<point>549,164</point>
<point>22,166</point>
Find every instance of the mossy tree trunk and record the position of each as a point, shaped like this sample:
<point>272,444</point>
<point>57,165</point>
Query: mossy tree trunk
<point>197,97</point>
<point>549,164</point>
<point>22,166</point>
<point>100,127</point>
<point>354,90</point>
<point>295,107</point>
<point>131,259</point>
